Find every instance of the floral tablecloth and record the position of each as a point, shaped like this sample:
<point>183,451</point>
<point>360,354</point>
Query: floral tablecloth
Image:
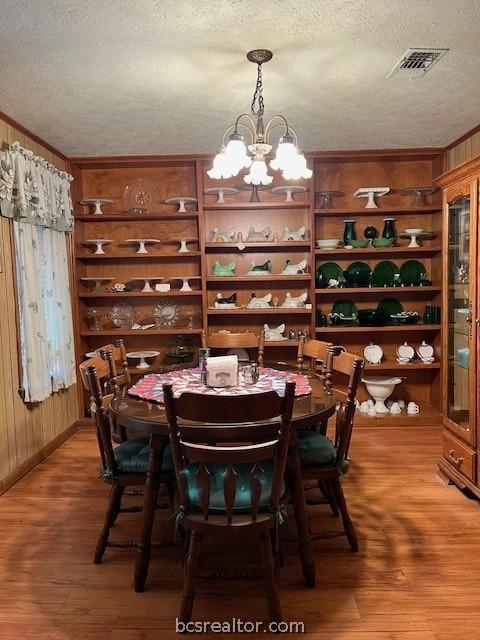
<point>150,386</point>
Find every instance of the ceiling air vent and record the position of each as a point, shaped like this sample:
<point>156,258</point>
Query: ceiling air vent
<point>416,62</point>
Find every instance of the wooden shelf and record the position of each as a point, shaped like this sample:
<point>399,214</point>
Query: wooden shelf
<point>427,415</point>
<point>274,278</point>
<point>138,256</point>
<point>234,206</point>
<point>380,211</point>
<point>377,290</point>
<point>141,332</point>
<point>372,251</point>
<point>389,328</point>
<point>402,366</point>
<point>140,294</point>
<point>127,217</point>
<point>273,311</point>
<point>249,246</point>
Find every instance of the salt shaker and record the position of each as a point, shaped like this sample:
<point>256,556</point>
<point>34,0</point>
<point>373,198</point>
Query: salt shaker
<point>203,354</point>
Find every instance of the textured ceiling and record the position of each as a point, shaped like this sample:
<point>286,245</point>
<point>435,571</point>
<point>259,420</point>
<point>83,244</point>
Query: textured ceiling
<point>105,77</point>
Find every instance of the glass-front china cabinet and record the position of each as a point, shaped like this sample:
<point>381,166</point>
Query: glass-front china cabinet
<point>460,329</point>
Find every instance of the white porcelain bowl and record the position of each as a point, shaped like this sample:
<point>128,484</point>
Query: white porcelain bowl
<point>328,243</point>
<point>380,388</point>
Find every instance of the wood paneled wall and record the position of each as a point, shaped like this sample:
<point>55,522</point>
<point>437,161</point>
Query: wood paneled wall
<point>24,431</point>
<point>464,150</point>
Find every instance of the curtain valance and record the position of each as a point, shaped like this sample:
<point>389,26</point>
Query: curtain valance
<point>33,190</point>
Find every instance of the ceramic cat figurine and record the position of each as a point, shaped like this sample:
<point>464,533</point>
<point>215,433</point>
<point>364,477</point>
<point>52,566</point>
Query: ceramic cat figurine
<point>291,269</point>
<point>265,235</point>
<point>299,234</point>
<point>226,303</point>
<point>292,302</point>
<point>260,303</point>
<point>222,235</point>
<point>260,269</point>
<point>224,269</point>
<point>274,334</point>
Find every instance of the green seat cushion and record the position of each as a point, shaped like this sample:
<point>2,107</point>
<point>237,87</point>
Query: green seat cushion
<point>314,449</point>
<point>132,456</point>
<point>243,493</point>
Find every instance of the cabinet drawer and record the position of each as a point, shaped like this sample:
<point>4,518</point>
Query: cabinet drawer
<point>459,455</point>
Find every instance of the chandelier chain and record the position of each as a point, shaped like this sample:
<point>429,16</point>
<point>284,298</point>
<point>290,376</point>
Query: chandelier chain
<point>258,95</point>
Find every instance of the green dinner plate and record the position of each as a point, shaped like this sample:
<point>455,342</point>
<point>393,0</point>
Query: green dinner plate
<point>389,306</point>
<point>345,307</point>
<point>412,273</point>
<point>384,274</point>
<point>358,274</point>
<point>326,272</point>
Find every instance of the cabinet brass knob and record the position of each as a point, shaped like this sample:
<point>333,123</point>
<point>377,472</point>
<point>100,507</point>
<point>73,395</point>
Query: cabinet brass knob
<point>456,461</point>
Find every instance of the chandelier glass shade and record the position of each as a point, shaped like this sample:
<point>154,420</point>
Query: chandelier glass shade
<point>235,155</point>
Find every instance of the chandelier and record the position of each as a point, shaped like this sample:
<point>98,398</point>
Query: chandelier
<point>233,155</point>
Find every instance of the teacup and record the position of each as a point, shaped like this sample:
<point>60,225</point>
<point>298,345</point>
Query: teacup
<point>395,408</point>
<point>413,408</point>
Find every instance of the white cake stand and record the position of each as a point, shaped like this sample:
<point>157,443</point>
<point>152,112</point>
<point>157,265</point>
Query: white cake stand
<point>97,242</point>
<point>147,288</point>
<point>142,356</point>
<point>413,234</point>
<point>289,190</point>
<point>185,281</point>
<point>183,243</point>
<point>97,203</point>
<point>220,192</point>
<point>98,280</point>
<point>182,201</point>
<point>141,243</point>
<point>371,193</point>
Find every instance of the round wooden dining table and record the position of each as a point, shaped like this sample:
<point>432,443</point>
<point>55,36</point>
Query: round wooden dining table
<point>147,417</point>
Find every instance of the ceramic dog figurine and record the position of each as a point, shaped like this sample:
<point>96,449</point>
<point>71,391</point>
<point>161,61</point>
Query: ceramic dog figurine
<point>260,269</point>
<point>226,303</point>
<point>222,235</point>
<point>291,269</point>
<point>224,269</point>
<point>291,302</point>
<point>274,334</point>
<point>265,235</point>
<point>299,234</point>
<point>259,303</point>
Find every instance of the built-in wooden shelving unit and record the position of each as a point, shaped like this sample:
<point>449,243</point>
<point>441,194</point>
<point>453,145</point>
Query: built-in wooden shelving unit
<point>108,177</point>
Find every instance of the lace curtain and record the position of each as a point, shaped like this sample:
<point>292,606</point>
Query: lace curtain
<point>36,196</point>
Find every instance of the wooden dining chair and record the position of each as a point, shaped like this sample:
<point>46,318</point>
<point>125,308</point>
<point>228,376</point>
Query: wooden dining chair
<point>325,461</point>
<point>230,475</point>
<point>118,362</point>
<point>121,466</point>
<point>245,340</point>
<point>314,356</point>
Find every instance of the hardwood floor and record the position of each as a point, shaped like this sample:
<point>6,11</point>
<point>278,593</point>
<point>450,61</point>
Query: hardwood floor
<point>416,576</point>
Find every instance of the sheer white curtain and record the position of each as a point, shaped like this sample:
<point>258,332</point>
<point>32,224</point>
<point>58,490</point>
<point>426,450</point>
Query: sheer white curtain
<point>45,316</point>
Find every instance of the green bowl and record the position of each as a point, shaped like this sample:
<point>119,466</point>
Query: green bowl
<point>383,242</point>
<point>359,244</point>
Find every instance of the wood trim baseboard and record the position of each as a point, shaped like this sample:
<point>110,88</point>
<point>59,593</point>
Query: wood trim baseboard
<point>16,125</point>
<point>43,453</point>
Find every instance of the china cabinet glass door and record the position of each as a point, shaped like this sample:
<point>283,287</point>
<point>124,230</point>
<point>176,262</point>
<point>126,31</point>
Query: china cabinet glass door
<point>460,355</point>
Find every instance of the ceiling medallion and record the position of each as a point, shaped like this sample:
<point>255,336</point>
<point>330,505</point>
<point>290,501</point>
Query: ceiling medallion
<point>233,155</point>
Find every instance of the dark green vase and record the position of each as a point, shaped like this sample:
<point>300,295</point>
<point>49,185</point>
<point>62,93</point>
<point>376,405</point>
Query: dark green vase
<point>349,232</point>
<point>389,228</point>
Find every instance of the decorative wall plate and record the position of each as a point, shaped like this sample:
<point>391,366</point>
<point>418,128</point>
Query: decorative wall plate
<point>142,356</point>
<point>384,274</point>
<point>182,201</point>
<point>412,273</point>
<point>289,190</point>
<point>96,203</point>
<point>123,315</point>
<point>140,196</point>
<point>165,314</point>
<point>98,243</point>
<point>358,274</point>
<point>389,306</point>
<point>371,193</point>
<point>141,242</point>
<point>326,272</point>
<point>220,192</point>
<point>373,353</point>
